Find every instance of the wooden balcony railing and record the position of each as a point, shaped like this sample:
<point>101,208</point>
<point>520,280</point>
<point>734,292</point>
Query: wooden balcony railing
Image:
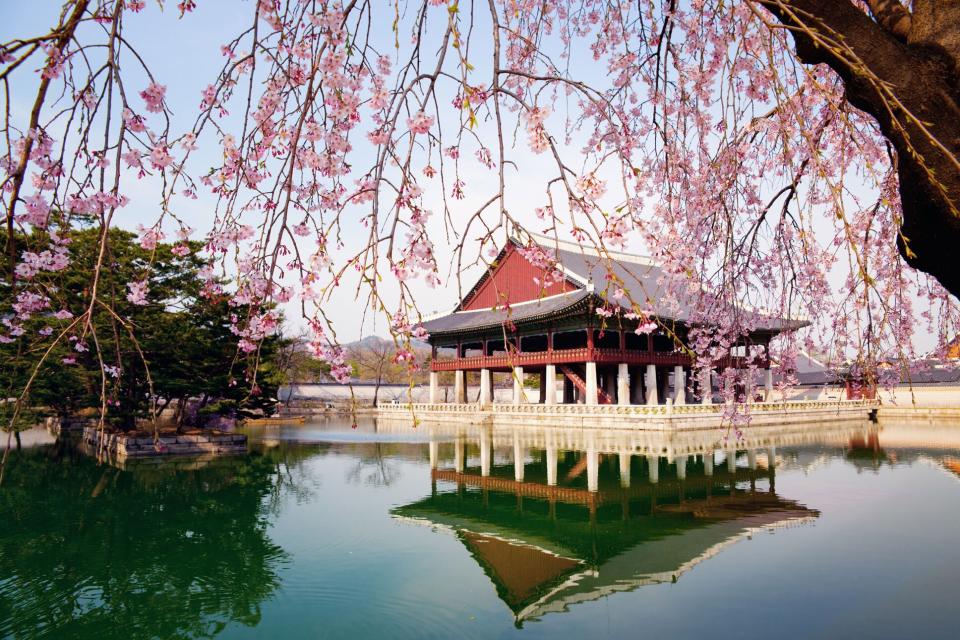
<point>561,356</point>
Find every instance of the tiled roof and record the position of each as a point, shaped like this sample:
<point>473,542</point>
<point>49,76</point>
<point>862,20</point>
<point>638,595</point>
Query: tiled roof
<point>643,281</point>
<point>491,318</point>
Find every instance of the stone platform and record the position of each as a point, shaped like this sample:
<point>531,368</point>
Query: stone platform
<point>638,417</point>
<point>121,446</point>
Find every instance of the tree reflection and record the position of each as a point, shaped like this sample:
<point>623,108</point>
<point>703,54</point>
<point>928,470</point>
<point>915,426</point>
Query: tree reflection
<point>158,552</point>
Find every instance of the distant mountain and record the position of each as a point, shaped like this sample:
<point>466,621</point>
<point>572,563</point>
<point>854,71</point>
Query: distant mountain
<point>373,340</point>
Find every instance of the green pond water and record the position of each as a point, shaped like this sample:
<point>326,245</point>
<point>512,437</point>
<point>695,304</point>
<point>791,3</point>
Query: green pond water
<point>386,531</point>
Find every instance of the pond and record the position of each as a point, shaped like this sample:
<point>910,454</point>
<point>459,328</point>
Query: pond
<point>387,530</point>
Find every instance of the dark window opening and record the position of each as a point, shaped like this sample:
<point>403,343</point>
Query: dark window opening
<point>570,339</point>
<point>532,344</point>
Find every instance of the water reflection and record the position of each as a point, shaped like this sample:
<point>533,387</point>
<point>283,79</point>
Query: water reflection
<point>314,533</point>
<point>564,516</point>
<point>95,551</point>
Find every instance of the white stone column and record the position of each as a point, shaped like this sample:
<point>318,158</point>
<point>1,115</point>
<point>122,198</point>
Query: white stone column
<point>591,384</point>
<point>486,392</point>
<point>768,385</point>
<point>654,464</point>
<point>458,457</point>
<point>752,459</point>
<point>486,452</point>
<point>434,451</point>
<point>434,387</point>
<point>681,463</point>
<point>708,463</point>
<point>551,461</point>
<point>706,387</point>
<point>624,470</point>
<point>651,383</point>
<point>732,461</point>
<point>518,396</point>
<point>519,455</point>
<point>550,385</point>
<point>593,466</point>
<point>623,384</point>
<point>459,386</point>
<point>771,457</point>
<point>679,386</point>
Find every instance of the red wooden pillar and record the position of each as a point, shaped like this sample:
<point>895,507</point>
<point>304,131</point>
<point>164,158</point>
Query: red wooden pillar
<point>590,342</point>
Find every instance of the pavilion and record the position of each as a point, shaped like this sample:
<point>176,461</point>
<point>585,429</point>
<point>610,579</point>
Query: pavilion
<point>522,318</point>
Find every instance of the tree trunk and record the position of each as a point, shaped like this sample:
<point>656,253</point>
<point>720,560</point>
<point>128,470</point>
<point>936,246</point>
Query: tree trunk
<point>921,71</point>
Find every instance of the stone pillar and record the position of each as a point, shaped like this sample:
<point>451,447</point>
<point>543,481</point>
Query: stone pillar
<point>708,463</point>
<point>625,470</point>
<point>486,452</point>
<point>459,386</point>
<point>706,386</point>
<point>518,395</point>
<point>768,385</point>
<point>518,457</point>
<point>610,386</point>
<point>771,457</point>
<point>486,392</point>
<point>732,461</point>
<point>679,385</point>
<point>549,382</point>
<point>593,466</point>
<point>651,383</point>
<point>623,384</point>
<point>434,387</point>
<point>654,464</point>
<point>591,384</point>
<point>752,459</point>
<point>681,463</point>
<point>458,457</point>
<point>434,451</point>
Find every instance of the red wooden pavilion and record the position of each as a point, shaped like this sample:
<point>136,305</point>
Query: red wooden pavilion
<point>528,314</point>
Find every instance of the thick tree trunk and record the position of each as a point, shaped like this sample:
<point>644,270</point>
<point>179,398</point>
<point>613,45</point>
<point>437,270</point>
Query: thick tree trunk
<point>923,75</point>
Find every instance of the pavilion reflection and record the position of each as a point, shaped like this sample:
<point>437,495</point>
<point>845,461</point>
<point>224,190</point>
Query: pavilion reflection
<point>560,516</point>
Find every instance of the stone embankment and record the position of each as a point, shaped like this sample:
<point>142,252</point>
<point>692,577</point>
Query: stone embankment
<point>142,445</point>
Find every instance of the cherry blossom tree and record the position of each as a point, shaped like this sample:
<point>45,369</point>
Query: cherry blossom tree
<point>776,154</point>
